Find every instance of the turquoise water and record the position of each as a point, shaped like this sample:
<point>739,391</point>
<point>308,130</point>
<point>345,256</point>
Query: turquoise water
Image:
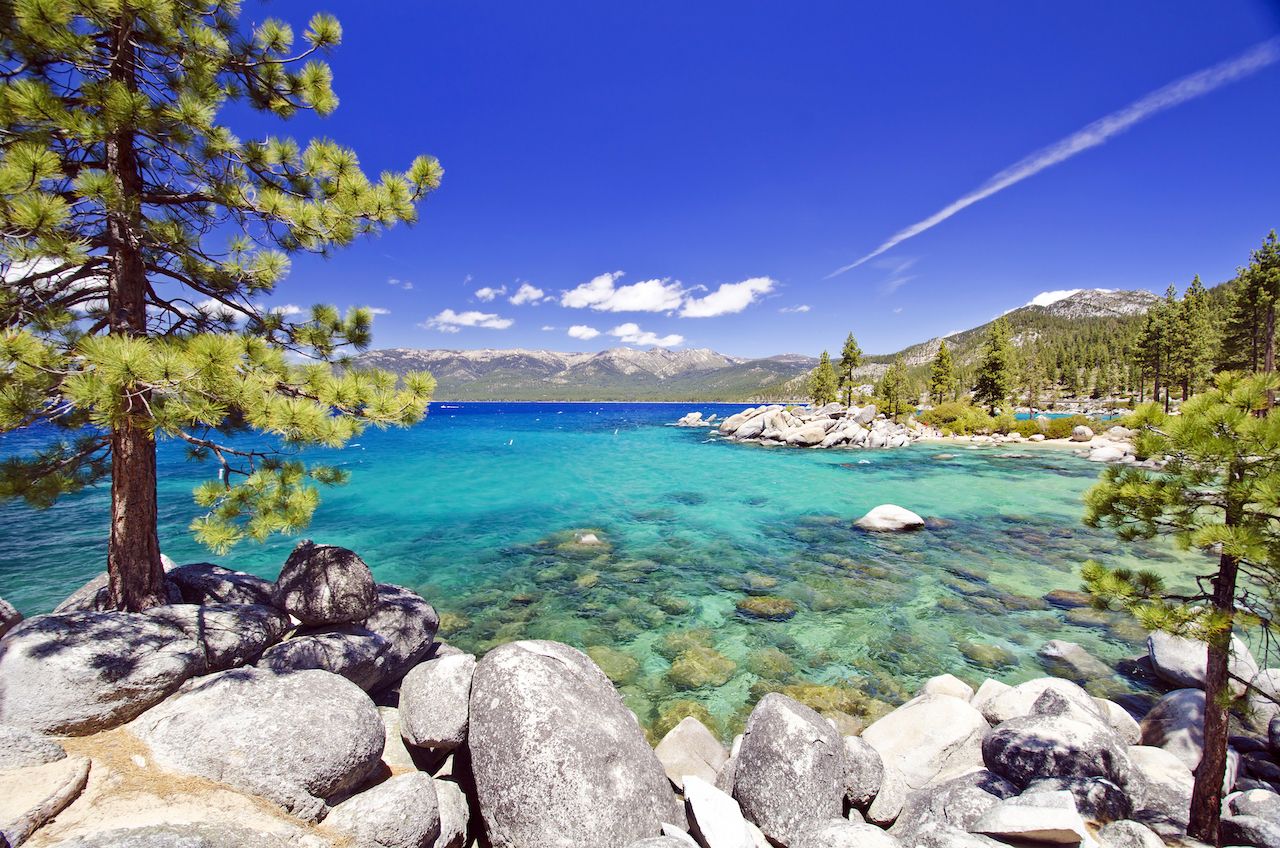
<point>478,509</point>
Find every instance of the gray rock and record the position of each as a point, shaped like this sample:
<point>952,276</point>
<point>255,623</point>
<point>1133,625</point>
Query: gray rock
<point>1081,433</point>
<point>863,771</point>
<point>1248,830</point>
<point>229,634</point>
<point>930,738</point>
<point>1256,802</point>
<point>790,769</point>
<point>938,835</point>
<point>1262,703</point>
<point>409,625</point>
<point>325,584</point>
<point>1161,788</point>
<point>690,749</point>
<point>1069,660</point>
<point>435,702</point>
<point>295,739</point>
<point>958,802</point>
<point>841,833</point>
<point>20,748</point>
<point>1273,734</point>
<point>1176,724</point>
<point>399,813</point>
<point>30,797</point>
<point>202,835</point>
<point>1051,743</point>
<point>660,842</point>
<point>1097,799</point>
<point>1019,700</point>
<point>1119,720</point>
<point>947,684</point>
<point>889,517</point>
<point>455,815</point>
<point>93,596</point>
<point>1049,817</point>
<point>1182,661</point>
<point>80,672</point>
<point>715,819</point>
<point>1261,765</point>
<point>9,617</point>
<point>206,583</point>
<point>349,651</point>
<point>557,758</point>
<point>1128,834</point>
<point>891,798</point>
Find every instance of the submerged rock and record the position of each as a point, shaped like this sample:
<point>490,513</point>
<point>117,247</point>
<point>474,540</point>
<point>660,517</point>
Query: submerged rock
<point>767,607</point>
<point>697,667</point>
<point>77,673</point>
<point>557,758</point>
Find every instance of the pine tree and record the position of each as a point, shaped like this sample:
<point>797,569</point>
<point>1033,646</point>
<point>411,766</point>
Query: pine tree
<point>994,373</point>
<point>1220,493</point>
<point>850,358</point>
<point>1201,347</point>
<point>893,389</point>
<point>140,236</point>
<point>822,383</point>
<point>1240,346</point>
<point>942,376</point>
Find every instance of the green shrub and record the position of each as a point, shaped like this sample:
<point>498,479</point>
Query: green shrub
<point>960,418</point>
<point>1027,428</point>
<point>1005,423</point>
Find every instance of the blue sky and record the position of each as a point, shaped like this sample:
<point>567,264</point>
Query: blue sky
<point>760,146</point>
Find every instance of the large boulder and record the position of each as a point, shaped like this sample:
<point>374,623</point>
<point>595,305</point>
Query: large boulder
<point>689,749</point>
<point>399,813</point>
<point>790,769</point>
<point>455,815</point>
<point>1249,830</point>
<point>557,758</point>
<point>863,771</point>
<point>888,517</point>
<point>1161,786</point>
<point>435,702</point>
<point>1176,724</point>
<point>1097,799</point>
<point>1048,817</point>
<point>1128,834</point>
<point>407,622</point>
<point>958,802</point>
<point>198,835</point>
<point>94,595</point>
<point>892,797</point>
<point>1182,662</point>
<point>1081,433</point>
<point>352,652</point>
<point>843,833</point>
<point>228,634</point>
<point>77,673</point>
<point>1070,660</point>
<point>715,819</point>
<point>1051,742</point>
<point>1006,703</point>
<point>930,738</point>
<point>296,739</point>
<point>325,584</point>
<point>1264,699</point>
<point>206,583</point>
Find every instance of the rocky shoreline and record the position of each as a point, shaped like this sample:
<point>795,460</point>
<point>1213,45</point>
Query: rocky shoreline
<point>320,710</point>
<point>830,426</point>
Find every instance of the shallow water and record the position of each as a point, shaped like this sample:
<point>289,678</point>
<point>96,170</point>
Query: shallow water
<point>478,507</point>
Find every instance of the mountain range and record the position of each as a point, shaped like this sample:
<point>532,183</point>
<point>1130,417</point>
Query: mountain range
<point>700,374</point>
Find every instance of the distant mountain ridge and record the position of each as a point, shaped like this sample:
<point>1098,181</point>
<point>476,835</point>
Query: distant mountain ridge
<point>701,374</point>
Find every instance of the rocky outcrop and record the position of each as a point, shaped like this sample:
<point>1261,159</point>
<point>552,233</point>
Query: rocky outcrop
<point>829,426</point>
<point>790,769</point>
<point>202,835</point>
<point>296,739</point>
<point>20,748</point>
<point>325,584</point>
<point>80,672</point>
<point>435,702</point>
<point>9,617</point>
<point>31,796</point>
<point>408,624</point>
<point>1052,742</point>
<point>557,759</point>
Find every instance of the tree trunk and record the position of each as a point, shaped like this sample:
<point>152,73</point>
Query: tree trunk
<point>133,552</point>
<point>1206,796</point>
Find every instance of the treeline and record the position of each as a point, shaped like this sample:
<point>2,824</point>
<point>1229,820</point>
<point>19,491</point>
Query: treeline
<point>1034,358</point>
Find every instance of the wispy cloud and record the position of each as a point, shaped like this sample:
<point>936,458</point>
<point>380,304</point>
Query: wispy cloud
<point>400,284</point>
<point>1095,134</point>
<point>803,307</point>
<point>379,310</point>
<point>488,293</point>
<point>631,333</point>
<point>449,321</point>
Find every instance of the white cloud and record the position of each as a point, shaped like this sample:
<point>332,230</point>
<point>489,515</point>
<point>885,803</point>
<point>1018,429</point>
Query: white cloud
<point>286,309</point>
<point>378,310</point>
<point>893,284</point>
<point>547,328</point>
<point>602,295</point>
<point>582,331</point>
<point>630,333</point>
<point>449,321</point>
<point>802,307</point>
<point>1095,134</point>
<point>488,293</point>
<point>526,294</point>
<point>897,311</point>
<point>728,299</point>
<point>400,284</point>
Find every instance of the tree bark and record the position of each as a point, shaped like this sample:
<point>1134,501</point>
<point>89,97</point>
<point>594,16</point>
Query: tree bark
<point>1206,795</point>
<point>133,551</point>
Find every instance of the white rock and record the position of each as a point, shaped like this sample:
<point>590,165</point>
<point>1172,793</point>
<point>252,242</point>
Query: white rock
<point>690,749</point>
<point>1081,433</point>
<point>947,684</point>
<point>1183,662</point>
<point>714,816</point>
<point>1045,817</point>
<point>888,517</point>
<point>930,738</point>
<point>31,796</point>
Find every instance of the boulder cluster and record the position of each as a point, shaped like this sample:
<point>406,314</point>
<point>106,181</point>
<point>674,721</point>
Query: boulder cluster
<point>833,425</point>
<point>319,710</point>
